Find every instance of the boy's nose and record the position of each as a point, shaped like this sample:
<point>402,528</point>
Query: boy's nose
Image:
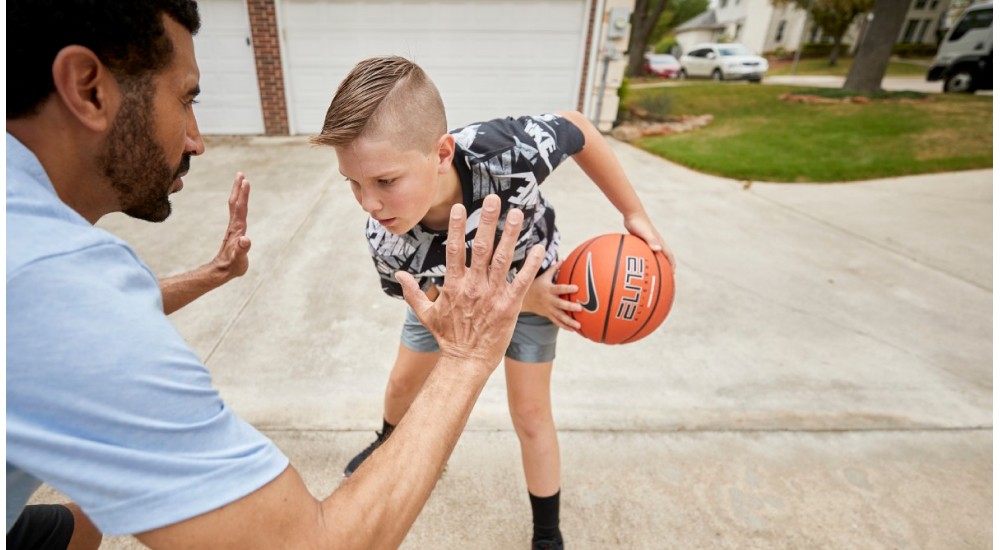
<point>370,203</point>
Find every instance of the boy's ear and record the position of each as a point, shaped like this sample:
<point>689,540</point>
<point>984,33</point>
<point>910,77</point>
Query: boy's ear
<point>445,149</point>
<point>85,86</point>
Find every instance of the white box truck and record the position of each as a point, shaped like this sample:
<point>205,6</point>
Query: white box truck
<point>965,58</point>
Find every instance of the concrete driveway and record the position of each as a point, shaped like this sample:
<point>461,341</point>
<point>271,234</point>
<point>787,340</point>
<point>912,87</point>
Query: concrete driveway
<point>824,380</point>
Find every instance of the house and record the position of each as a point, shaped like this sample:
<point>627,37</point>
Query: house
<point>272,66</point>
<point>763,27</point>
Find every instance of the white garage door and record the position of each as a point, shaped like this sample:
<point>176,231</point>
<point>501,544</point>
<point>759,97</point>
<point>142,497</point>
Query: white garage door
<point>488,59</point>
<point>230,100</point>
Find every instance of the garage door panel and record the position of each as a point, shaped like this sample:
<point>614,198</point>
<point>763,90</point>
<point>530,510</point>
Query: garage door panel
<point>487,58</point>
<point>229,102</point>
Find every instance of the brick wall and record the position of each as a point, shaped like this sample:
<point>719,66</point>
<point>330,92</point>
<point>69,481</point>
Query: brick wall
<point>270,80</point>
<point>586,57</point>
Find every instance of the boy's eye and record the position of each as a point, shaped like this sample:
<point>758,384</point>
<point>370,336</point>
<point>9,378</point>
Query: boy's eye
<point>386,181</point>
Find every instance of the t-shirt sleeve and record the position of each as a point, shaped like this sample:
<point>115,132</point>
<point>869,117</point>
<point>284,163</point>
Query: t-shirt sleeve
<point>109,405</point>
<point>555,138</point>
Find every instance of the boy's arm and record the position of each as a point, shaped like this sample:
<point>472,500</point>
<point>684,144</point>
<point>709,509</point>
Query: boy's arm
<point>230,262</point>
<point>472,319</point>
<point>599,162</point>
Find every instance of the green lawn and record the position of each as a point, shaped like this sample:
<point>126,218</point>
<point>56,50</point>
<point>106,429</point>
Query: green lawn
<point>756,136</point>
<point>896,67</point>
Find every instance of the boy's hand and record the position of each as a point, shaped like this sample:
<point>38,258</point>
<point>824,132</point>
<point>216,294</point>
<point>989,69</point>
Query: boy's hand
<point>642,227</point>
<point>476,309</point>
<point>231,260</point>
<point>545,298</point>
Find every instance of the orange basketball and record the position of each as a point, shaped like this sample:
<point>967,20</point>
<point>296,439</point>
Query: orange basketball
<point>625,288</point>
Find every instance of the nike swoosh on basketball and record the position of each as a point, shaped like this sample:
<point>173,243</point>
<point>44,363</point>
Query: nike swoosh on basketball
<point>591,305</point>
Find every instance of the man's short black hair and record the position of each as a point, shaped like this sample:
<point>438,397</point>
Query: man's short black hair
<point>128,36</point>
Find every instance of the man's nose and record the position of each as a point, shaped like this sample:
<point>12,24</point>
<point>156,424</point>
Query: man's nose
<point>194,144</point>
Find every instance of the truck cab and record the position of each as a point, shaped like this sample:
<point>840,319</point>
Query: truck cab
<point>965,58</point>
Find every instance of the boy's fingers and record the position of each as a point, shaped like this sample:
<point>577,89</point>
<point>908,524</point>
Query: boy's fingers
<point>455,246</point>
<point>482,245</point>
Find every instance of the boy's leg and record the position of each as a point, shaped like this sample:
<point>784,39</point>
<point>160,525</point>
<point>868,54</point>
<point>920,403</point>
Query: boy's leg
<point>407,377</point>
<point>417,355</point>
<point>531,412</point>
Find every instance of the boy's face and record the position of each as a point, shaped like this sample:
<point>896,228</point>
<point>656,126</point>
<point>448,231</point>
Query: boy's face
<point>396,188</point>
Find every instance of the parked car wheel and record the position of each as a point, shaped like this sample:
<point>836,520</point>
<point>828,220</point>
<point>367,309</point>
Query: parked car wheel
<point>960,81</point>
<point>717,75</point>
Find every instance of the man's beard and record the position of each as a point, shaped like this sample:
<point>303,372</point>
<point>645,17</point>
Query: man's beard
<point>135,164</point>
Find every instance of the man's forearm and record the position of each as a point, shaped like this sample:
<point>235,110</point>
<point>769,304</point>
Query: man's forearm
<point>384,496</point>
<point>180,290</point>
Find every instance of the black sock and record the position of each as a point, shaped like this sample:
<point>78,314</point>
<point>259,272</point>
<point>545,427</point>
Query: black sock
<point>386,430</point>
<point>545,515</point>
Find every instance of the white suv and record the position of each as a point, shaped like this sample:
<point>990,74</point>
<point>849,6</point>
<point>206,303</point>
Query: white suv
<point>723,62</point>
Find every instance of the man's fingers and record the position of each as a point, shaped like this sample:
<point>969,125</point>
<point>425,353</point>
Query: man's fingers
<point>455,246</point>
<point>412,294</point>
<point>504,253</point>
<point>482,245</point>
<point>525,276</point>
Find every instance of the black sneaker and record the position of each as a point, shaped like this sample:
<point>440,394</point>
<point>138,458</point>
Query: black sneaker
<point>355,462</point>
<point>547,544</point>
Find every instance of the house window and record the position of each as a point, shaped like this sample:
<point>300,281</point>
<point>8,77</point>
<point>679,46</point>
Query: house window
<point>934,4</point>
<point>911,30</point>
<point>739,28</point>
<point>722,3</point>
<point>781,32</point>
<point>920,4</point>
<point>923,30</point>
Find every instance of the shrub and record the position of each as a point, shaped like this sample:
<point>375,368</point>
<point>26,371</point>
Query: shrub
<point>822,49</point>
<point>915,50</point>
<point>666,45</point>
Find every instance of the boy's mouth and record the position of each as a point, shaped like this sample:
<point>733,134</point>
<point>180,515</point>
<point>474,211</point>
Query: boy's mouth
<point>386,222</point>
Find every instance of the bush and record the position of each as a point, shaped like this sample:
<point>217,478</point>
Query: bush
<point>915,50</point>
<point>822,49</point>
<point>623,102</point>
<point>665,45</point>
<point>779,54</point>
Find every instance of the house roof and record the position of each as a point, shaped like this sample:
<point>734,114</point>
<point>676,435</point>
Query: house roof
<point>704,20</point>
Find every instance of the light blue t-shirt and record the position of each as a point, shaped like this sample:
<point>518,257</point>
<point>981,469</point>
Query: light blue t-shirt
<point>105,400</point>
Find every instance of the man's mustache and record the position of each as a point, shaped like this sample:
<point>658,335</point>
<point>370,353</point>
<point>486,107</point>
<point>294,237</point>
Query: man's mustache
<point>184,167</point>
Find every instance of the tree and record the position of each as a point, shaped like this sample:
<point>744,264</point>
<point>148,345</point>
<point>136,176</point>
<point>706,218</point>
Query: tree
<point>644,18</point>
<point>833,17</point>
<point>652,20</point>
<point>876,46</point>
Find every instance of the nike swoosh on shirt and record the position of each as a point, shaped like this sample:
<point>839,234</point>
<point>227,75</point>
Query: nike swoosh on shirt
<point>591,304</point>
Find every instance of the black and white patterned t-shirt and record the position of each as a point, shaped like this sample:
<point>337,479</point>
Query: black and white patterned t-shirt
<point>509,157</point>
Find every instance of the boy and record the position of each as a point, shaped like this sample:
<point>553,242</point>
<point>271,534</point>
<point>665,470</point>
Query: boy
<point>387,125</point>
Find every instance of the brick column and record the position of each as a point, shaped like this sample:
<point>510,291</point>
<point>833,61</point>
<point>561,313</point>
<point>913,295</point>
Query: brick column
<point>586,57</point>
<point>270,79</point>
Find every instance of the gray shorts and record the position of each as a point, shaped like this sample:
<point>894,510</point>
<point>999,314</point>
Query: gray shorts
<point>534,339</point>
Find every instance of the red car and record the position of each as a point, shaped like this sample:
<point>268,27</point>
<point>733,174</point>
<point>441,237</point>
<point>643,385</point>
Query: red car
<point>660,64</point>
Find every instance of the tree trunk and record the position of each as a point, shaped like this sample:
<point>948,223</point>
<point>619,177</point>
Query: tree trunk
<point>873,55</point>
<point>643,21</point>
<point>835,51</point>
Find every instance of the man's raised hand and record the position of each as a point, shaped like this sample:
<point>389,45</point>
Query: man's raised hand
<point>473,317</point>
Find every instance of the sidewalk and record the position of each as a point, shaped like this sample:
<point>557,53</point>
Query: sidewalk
<point>824,380</point>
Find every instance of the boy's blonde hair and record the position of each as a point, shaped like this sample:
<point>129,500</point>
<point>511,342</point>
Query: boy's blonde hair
<point>386,97</point>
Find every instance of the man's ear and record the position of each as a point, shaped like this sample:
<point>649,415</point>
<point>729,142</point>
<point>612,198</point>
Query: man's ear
<point>445,148</point>
<point>85,86</point>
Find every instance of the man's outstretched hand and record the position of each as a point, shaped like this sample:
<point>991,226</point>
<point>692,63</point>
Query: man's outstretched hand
<point>229,263</point>
<point>473,317</point>
<point>232,260</point>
